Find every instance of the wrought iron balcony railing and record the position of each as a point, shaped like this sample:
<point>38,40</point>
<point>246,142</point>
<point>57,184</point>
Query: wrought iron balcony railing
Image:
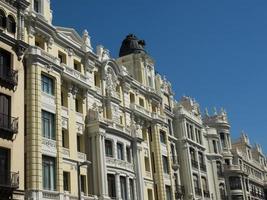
<point>8,123</point>
<point>206,193</point>
<point>10,80</point>
<point>194,164</point>
<point>198,191</point>
<point>9,180</point>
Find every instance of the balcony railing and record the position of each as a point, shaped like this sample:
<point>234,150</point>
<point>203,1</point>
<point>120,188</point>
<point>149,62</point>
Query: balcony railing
<point>194,164</point>
<point>257,194</point>
<point>235,185</point>
<point>9,180</point>
<point>203,167</point>
<point>10,80</point>
<point>180,191</point>
<point>198,191</point>
<point>8,126</point>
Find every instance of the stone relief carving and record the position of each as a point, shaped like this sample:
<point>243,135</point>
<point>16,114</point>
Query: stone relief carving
<point>111,82</point>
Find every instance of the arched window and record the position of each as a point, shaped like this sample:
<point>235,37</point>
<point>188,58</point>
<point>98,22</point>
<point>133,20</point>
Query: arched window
<point>204,183</point>
<point>11,24</point>
<point>2,19</point>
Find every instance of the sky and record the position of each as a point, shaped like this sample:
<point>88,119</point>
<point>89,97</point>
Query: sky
<point>214,51</point>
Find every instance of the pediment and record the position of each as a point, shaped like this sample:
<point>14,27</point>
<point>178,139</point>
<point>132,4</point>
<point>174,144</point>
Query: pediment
<point>70,33</point>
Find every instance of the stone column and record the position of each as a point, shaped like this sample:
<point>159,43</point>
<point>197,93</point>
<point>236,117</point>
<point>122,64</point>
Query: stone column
<point>140,187</point>
<point>128,187</point>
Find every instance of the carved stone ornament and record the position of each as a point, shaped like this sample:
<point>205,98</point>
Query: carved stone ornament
<point>49,67</point>
<point>111,82</point>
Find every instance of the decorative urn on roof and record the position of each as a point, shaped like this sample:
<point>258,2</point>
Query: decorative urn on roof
<point>131,44</point>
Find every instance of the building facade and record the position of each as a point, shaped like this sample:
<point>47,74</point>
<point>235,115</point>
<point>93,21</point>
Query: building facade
<point>76,123</point>
<point>12,48</point>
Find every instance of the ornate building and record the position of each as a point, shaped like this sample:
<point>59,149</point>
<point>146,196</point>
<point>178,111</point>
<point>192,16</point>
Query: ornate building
<point>12,46</point>
<point>76,123</point>
<point>103,122</point>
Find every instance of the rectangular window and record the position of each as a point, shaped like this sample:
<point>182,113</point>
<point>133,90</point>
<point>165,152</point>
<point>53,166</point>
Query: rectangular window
<point>5,109</point>
<point>36,6</point>
<point>66,181</point>
<point>5,63</point>
<point>168,192</point>
<point>65,139</point>
<point>123,188</point>
<point>214,146</point>
<point>78,143</point>
<point>120,151</point>
<point>170,126</point>
<point>129,155</point>
<point>162,137</point>
<point>131,189</point>
<point>48,125</point>
<point>83,184</point>
<point>62,57</point>
<point>165,164</point>
<point>108,148</point>
<point>4,165</point>
<point>111,186</point>
<point>147,166</point>
<point>47,85</point>
<point>49,173</point>
<point>141,102</point>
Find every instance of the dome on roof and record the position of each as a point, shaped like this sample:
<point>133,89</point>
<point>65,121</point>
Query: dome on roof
<point>131,44</point>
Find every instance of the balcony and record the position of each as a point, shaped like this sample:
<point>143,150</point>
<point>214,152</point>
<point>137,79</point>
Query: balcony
<point>9,180</point>
<point>113,162</point>
<point>8,126</point>
<point>81,156</point>
<point>180,191</point>
<point>203,167</point>
<point>194,164</point>
<point>198,191</point>
<point>49,146</point>
<point>235,185</point>
<point>141,110</point>
<point>10,80</point>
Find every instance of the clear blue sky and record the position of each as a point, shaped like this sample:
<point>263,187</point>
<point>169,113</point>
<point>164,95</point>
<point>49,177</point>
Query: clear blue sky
<point>214,51</point>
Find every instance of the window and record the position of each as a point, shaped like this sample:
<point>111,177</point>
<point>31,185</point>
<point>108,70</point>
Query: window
<point>170,126</point>
<point>214,146</point>
<point>111,186</point>
<point>2,19</point>
<point>131,189</point>
<point>168,192</point>
<point>79,146</point>
<point>5,108</point>
<point>165,164</point>
<point>120,151</point>
<point>77,66</point>
<point>223,141</point>
<point>48,125</point>
<point>66,181</point>
<point>108,148</point>
<point>5,64</point>
<point>123,188</point>
<point>162,137</point>
<point>150,193</point>
<point>62,57</point>
<point>47,85</point>
<point>49,173</point>
<point>11,24</point>
<point>141,102</point>
<point>129,155</point>
<point>204,183</point>
<point>64,98</point>
<point>144,134</point>
<point>83,184</point>
<point>36,6</point>
<point>132,98</point>
<point>78,105</point>
<point>65,139</point>
<point>195,180</point>
<point>147,166</point>
<point>4,165</point>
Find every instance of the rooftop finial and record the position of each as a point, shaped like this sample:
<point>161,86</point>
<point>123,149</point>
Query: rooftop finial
<point>86,42</point>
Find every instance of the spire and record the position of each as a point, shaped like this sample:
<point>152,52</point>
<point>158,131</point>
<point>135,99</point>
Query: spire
<point>86,42</point>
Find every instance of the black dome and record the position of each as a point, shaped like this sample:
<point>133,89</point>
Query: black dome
<point>131,44</point>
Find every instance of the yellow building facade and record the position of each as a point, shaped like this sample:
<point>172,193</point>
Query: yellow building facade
<point>93,119</point>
